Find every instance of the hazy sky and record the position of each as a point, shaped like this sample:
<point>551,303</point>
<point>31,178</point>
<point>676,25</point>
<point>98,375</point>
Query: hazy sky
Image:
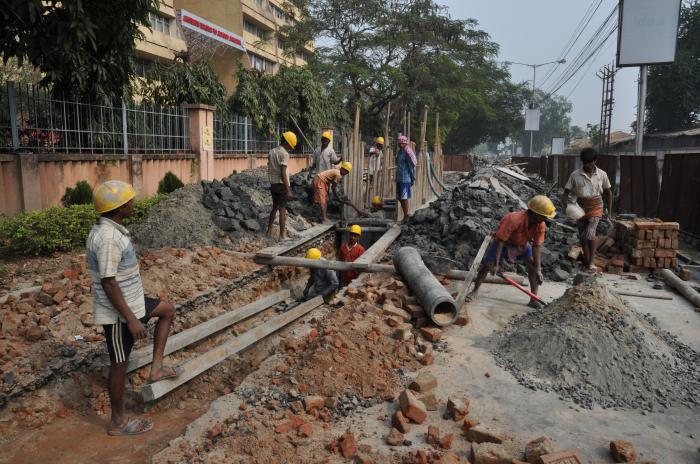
<point>535,31</point>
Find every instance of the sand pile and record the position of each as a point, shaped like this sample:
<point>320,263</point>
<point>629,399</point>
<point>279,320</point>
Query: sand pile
<point>591,347</point>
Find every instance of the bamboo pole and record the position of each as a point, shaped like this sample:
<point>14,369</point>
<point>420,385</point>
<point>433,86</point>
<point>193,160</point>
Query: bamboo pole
<point>422,162</point>
<point>351,188</point>
<point>385,156</point>
<point>436,151</point>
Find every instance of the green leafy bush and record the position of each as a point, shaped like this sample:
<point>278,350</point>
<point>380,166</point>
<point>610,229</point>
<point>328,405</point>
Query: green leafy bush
<point>169,183</point>
<point>56,229</point>
<point>80,195</point>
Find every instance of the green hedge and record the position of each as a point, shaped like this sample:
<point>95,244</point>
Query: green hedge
<point>56,229</point>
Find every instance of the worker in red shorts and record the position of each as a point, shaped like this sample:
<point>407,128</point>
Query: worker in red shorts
<point>349,252</point>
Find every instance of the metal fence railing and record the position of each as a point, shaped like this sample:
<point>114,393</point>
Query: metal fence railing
<point>33,119</point>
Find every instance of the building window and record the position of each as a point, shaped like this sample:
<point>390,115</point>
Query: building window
<point>254,29</point>
<point>280,13</point>
<point>143,66</point>
<point>159,23</point>
<point>260,63</point>
<point>304,55</point>
<point>280,43</point>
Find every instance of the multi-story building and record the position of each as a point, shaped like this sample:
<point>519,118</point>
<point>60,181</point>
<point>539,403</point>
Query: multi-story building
<point>226,33</point>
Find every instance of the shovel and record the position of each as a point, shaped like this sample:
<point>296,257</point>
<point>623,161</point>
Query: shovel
<point>521,288</point>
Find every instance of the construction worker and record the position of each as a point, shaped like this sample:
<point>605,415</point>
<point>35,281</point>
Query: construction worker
<point>406,162</point>
<point>323,183</point>
<point>588,185</point>
<point>519,236</point>
<point>277,161</point>
<point>349,252</point>
<point>322,282</point>
<point>375,157</point>
<point>119,303</point>
<point>325,157</point>
<point>377,208</point>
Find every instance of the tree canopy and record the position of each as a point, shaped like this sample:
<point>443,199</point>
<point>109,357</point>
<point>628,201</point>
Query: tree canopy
<point>183,82</point>
<point>410,53</point>
<point>673,95</point>
<point>83,48</point>
<point>555,121</point>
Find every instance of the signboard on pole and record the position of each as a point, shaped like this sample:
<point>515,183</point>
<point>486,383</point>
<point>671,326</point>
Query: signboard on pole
<point>558,145</point>
<point>647,32</point>
<point>532,119</point>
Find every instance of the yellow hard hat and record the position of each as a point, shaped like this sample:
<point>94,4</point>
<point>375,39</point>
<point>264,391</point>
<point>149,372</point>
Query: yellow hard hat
<point>355,229</point>
<point>347,165</point>
<point>112,194</point>
<point>379,140</point>
<point>542,205</point>
<point>313,253</point>
<point>327,135</point>
<point>377,200</point>
<point>291,138</point>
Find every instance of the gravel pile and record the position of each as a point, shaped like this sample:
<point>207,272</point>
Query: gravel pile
<point>590,347</point>
<point>456,223</point>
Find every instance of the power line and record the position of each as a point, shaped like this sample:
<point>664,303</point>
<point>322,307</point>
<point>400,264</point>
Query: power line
<point>585,73</point>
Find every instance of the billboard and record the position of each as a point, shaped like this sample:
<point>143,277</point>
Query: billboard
<point>647,32</point>
<point>558,145</point>
<point>532,119</point>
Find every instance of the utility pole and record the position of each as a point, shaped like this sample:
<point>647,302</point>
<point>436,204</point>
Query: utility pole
<point>534,78</point>
<point>607,74</point>
<point>641,104</point>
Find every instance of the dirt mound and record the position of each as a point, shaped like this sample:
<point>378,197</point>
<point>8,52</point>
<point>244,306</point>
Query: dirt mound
<point>591,347</point>
<point>179,221</point>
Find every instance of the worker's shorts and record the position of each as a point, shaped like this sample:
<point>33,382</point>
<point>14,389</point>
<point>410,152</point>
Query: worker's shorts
<point>491,254</point>
<point>320,191</point>
<point>279,195</point>
<point>587,227</point>
<point>403,190</point>
<point>118,337</point>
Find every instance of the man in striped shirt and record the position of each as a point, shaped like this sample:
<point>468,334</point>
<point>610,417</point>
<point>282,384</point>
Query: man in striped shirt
<point>119,303</point>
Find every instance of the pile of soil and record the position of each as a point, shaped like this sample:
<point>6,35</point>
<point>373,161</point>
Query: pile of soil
<point>591,347</point>
<point>179,221</point>
<point>455,224</point>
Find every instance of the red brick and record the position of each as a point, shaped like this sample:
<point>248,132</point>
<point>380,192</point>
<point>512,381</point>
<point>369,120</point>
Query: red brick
<point>449,458</point>
<point>623,451</point>
<point>423,382</point>
<point>313,402</point>
<point>393,311</point>
<point>494,453</point>
<point>348,445</point>
<point>306,430</point>
<point>482,434</point>
<point>430,401</point>
<point>538,447</point>
<point>59,296</point>
<point>432,334</point>
<point>457,408</point>
<point>468,423</point>
<point>446,441</point>
<point>415,311</point>
<point>427,359</point>
<point>400,422</point>
<point>570,456</point>
<point>662,253</point>
<point>395,438</point>
<point>432,436</point>
<point>411,407</point>
<point>463,319</point>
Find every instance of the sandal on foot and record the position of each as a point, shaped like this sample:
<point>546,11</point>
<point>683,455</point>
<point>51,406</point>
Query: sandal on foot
<point>174,372</point>
<point>131,426</point>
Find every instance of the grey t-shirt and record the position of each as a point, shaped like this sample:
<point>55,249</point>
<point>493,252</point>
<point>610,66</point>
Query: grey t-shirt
<point>324,160</point>
<point>277,157</point>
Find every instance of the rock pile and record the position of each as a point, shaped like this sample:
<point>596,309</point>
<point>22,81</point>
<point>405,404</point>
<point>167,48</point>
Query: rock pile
<point>589,346</point>
<point>456,223</point>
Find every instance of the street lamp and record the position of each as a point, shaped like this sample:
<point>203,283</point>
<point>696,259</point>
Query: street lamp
<point>534,76</point>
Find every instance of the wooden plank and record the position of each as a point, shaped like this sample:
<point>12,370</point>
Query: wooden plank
<point>657,296</point>
<point>379,247</point>
<point>288,245</point>
<point>512,173</point>
<point>182,339</point>
<point>211,358</point>
<point>473,269</point>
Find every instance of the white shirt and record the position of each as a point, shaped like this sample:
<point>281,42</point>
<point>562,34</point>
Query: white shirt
<point>111,254</point>
<point>375,161</point>
<point>582,185</point>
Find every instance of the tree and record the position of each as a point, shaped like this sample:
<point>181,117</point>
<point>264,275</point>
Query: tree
<point>410,53</point>
<point>84,49</point>
<point>673,95</point>
<point>182,82</point>
<point>555,121</point>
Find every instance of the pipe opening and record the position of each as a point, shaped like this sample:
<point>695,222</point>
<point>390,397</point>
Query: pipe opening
<point>444,313</point>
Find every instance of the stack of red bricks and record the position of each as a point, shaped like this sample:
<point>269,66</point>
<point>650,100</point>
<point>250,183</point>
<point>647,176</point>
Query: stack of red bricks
<point>647,244</point>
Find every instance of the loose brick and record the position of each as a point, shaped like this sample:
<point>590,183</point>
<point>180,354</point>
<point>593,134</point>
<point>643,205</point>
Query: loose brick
<point>538,447</point>
<point>432,334</point>
<point>570,456</point>
<point>494,453</point>
<point>468,423</point>
<point>348,445</point>
<point>457,408</point>
<point>306,430</point>
<point>449,458</point>
<point>313,402</point>
<point>59,296</point>
<point>463,319</point>
<point>482,434</point>
<point>446,441</point>
<point>411,407</point>
<point>393,311</point>
<point>427,359</point>
<point>430,401</point>
<point>415,311</point>
<point>395,438</point>
<point>662,253</point>
<point>623,451</point>
<point>400,422</point>
<point>423,382</point>
<point>432,436</point>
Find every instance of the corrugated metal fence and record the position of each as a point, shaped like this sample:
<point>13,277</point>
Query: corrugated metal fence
<point>458,163</point>
<point>673,196</point>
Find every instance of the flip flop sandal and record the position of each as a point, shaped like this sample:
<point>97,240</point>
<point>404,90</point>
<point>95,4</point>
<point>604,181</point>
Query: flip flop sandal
<point>176,371</point>
<point>131,426</point>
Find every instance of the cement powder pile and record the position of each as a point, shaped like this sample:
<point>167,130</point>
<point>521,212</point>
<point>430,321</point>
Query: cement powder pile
<point>180,221</point>
<point>590,347</point>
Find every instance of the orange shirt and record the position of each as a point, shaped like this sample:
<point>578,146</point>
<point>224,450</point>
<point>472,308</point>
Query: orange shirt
<point>349,255</point>
<point>331,176</point>
<point>515,230</point>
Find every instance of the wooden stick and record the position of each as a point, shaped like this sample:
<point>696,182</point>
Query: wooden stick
<point>378,247</point>
<point>288,245</point>
<point>656,296</point>
<point>200,364</point>
<point>473,270</point>
<point>182,339</point>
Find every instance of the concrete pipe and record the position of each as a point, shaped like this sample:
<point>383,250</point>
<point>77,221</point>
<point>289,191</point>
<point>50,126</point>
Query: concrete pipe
<point>436,301</point>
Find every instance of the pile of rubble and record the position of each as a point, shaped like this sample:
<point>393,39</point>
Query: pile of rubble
<point>591,347</point>
<point>456,223</point>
